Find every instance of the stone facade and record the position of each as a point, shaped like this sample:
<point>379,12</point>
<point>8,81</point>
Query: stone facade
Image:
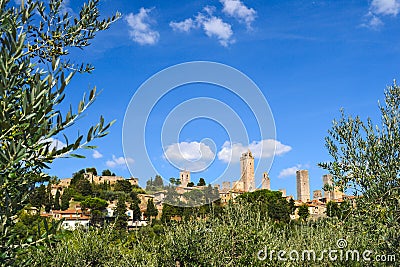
<point>184,178</point>
<point>333,194</point>
<point>317,194</point>
<point>226,186</point>
<point>247,171</point>
<point>266,181</point>
<point>303,185</point>
<point>283,191</point>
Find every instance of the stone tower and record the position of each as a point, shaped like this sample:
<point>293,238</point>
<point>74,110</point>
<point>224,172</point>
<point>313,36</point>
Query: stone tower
<point>303,186</point>
<point>247,171</point>
<point>226,186</point>
<point>266,182</point>
<point>283,191</point>
<point>330,194</point>
<point>184,177</point>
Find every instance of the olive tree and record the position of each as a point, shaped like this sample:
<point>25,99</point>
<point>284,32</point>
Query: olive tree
<point>366,162</point>
<point>35,71</point>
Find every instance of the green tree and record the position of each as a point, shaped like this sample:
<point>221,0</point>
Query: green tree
<point>303,212</point>
<point>190,184</point>
<point>84,187</point>
<point>65,198</point>
<point>174,181</point>
<point>292,207</point>
<point>366,162</point>
<point>150,185</point>
<point>121,222</point>
<point>56,205</point>
<point>48,201</point>
<point>37,198</point>
<point>77,176</point>
<point>35,40</point>
<point>151,210</point>
<point>279,210</point>
<point>201,182</point>
<point>332,209</point>
<point>158,182</point>
<point>345,210</point>
<point>106,172</point>
<point>366,157</point>
<point>136,213</point>
<point>92,170</point>
<point>97,208</point>
<point>123,185</point>
<point>270,203</point>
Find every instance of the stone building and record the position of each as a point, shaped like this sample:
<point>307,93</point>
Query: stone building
<point>226,186</point>
<point>184,178</point>
<point>283,191</point>
<point>317,194</point>
<point>303,185</point>
<point>246,182</point>
<point>266,181</point>
<point>334,193</point>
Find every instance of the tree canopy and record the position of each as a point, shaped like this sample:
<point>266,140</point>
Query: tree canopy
<point>35,71</point>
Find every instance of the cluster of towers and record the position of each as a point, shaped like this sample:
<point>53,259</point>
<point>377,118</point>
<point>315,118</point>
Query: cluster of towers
<point>303,188</point>
<point>246,183</point>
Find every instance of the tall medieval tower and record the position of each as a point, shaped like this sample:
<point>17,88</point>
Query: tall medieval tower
<point>303,186</point>
<point>184,178</point>
<point>247,171</point>
<point>266,182</point>
<point>334,193</point>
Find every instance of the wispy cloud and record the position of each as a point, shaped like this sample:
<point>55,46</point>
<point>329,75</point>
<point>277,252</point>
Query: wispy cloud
<point>260,149</point>
<point>140,27</point>
<point>213,26</point>
<point>385,7</point>
<point>96,154</point>
<point>119,161</point>
<point>378,9</point>
<point>291,171</point>
<point>183,26</point>
<point>238,10</point>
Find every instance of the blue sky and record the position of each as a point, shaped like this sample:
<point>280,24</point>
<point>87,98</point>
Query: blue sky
<point>308,58</point>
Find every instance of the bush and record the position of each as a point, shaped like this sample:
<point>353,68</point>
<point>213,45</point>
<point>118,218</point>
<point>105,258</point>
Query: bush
<point>234,239</point>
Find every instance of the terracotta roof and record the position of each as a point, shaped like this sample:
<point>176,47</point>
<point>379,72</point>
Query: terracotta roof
<point>77,218</point>
<point>69,211</point>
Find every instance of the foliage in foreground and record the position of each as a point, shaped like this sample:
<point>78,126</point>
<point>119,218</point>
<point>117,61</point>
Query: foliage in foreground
<point>366,161</point>
<point>233,240</point>
<point>35,37</point>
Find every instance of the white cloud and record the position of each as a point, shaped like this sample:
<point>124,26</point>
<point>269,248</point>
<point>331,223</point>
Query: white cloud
<point>379,8</point>
<point>140,27</point>
<point>193,156</point>
<point>260,149</point>
<point>238,10</point>
<point>216,27</point>
<point>120,161</point>
<point>96,154</point>
<point>183,26</point>
<point>213,26</point>
<point>55,143</point>
<point>289,171</point>
<point>385,7</point>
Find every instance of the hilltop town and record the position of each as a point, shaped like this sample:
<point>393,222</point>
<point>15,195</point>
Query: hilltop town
<point>180,192</point>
